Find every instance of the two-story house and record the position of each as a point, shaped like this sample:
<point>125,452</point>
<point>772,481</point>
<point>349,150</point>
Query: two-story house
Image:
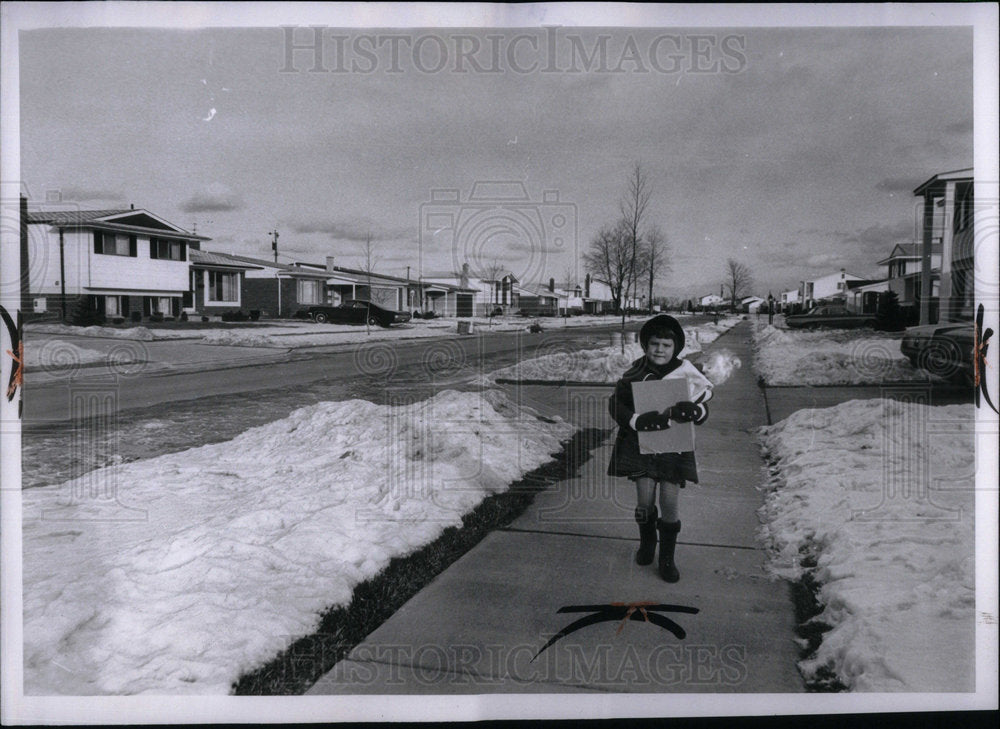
<point>116,262</point>
<point>947,217</point>
<point>903,276</point>
<point>788,301</point>
<point>832,287</point>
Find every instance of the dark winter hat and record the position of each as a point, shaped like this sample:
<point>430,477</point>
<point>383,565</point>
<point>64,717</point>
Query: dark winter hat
<point>663,326</point>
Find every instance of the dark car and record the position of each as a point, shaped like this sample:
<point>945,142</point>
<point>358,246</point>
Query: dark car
<point>354,311</point>
<point>830,315</point>
<point>943,349</point>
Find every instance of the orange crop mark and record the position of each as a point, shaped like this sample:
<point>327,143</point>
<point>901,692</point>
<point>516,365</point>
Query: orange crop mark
<point>632,607</point>
<point>979,355</point>
<point>18,378</point>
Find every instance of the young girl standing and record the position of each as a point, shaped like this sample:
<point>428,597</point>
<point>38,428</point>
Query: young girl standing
<point>662,340</point>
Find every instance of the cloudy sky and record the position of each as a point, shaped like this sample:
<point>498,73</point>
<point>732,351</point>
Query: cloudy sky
<point>792,150</point>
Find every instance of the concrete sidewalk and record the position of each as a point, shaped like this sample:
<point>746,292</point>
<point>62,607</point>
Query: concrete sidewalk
<point>477,627</point>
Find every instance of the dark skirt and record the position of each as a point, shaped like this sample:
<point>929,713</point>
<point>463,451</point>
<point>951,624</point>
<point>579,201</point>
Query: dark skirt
<point>627,462</point>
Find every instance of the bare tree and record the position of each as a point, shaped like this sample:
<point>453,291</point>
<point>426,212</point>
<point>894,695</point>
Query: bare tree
<point>609,258</point>
<point>632,207</point>
<point>739,281</point>
<point>656,256</point>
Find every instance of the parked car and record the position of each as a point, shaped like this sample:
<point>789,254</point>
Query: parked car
<point>353,311</point>
<point>830,315</point>
<point>943,349</point>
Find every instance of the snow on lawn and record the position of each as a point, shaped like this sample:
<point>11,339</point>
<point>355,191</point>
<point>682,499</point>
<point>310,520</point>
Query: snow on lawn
<point>830,357</point>
<point>247,541</point>
<point>142,334</point>
<point>608,363</point>
<point>55,353</point>
<point>896,568</point>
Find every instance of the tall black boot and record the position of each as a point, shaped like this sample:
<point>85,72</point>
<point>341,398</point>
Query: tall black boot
<point>668,540</point>
<point>645,517</point>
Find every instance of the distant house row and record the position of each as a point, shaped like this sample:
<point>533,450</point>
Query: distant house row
<point>941,262</point>
<point>133,264</point>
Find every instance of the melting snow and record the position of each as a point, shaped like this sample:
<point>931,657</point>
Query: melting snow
<point>241,545</point>
<point>881,493</point>
<point>830,357</point>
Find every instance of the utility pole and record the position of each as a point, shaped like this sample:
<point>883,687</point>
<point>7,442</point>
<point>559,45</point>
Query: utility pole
<point>274,243</point>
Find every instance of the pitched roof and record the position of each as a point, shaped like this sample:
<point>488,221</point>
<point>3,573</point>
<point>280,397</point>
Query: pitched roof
<point>908,250</point>
<point>536,290</point>
<point>210,258</point>
<point>931,184</point>
<point>70,217</point>
<point>124,221</point>
<point>263,263</point>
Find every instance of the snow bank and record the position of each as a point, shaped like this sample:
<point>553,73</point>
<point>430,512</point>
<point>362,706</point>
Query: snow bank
<point>608,363</point>
<point>141,334</point>
<point>830,357</point>
<point>241,338</point>
<point>244,543</point>
<point>895,559</point>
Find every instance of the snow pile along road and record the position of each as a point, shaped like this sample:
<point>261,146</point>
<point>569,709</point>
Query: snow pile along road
<point>895,558</point>
<point>608,363</point>
<point>179,573</point>
<point>830,357</point>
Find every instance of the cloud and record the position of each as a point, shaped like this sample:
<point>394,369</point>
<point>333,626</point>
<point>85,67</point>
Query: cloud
<point>214,198</point>
<point>880,236</point>
<point>357,230</point>
<point>83,194</point>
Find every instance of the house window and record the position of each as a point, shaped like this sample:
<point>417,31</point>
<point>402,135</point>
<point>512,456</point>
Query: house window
<point>113,306</point>
<point>114,244</point>
<point>309,292</point>
<point>169,250</point>
<point>223,286</point>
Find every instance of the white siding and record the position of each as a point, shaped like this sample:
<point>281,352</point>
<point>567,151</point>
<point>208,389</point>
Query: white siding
<point>141,272</point>
<point>86,269</point>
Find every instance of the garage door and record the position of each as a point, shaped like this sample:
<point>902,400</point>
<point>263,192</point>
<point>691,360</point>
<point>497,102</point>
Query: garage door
<point>464,304</point>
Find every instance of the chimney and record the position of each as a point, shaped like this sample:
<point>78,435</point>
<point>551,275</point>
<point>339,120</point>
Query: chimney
<point>586,286</point>
<point>464,277</point>
<point>131,206</point>
<point>329,264</point>
<point>552,284</point>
